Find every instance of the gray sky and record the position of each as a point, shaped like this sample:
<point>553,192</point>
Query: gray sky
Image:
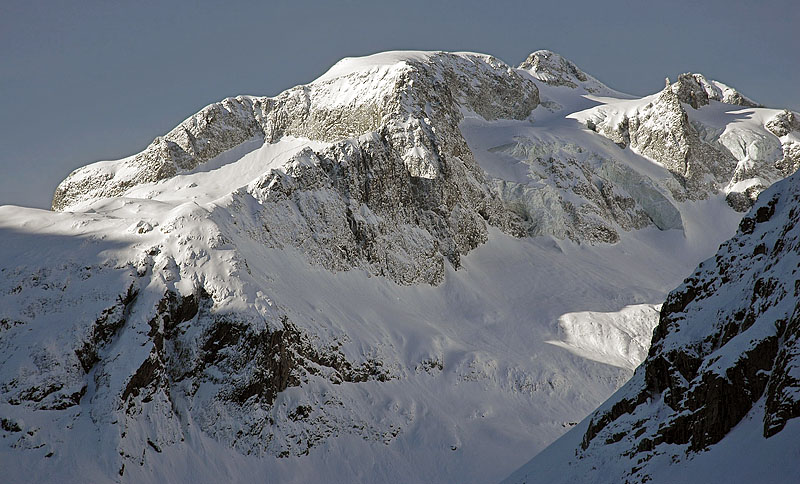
<point>98,80</point>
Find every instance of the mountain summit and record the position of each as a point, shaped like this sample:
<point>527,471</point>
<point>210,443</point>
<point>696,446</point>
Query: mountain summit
<point>554,70</point>
<point>423,266</point>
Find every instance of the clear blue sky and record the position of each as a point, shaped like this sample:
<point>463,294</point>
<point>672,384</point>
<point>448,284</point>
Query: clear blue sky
<point>97,80</point>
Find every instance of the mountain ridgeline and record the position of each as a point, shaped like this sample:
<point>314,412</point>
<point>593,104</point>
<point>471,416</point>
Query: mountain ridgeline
<point>398,263</point>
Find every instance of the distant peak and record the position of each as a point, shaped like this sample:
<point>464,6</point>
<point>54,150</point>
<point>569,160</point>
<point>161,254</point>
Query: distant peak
<point>697,91</point>
<point>555,70</point>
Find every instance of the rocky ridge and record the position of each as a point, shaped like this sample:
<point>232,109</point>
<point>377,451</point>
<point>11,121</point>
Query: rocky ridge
<point>704,158</point>
<point>697,91</point>
<point>555,70</point>
<point>392,102</point>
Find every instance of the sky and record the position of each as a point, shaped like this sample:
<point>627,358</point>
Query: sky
<point>99,80</point>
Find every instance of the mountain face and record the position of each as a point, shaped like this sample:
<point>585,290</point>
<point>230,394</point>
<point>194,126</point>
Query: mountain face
<point>396,188</point>
<point>421,264</point>
<point>721,382</point>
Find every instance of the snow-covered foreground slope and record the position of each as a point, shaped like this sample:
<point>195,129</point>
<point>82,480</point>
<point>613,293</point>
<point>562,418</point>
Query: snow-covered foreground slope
<point>461,380</point>
<point>421,267</point>
<point>718,397</point>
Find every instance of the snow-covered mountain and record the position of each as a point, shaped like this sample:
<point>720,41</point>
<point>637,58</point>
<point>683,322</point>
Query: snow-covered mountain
<point>422,266</point>
<point>718,397</point>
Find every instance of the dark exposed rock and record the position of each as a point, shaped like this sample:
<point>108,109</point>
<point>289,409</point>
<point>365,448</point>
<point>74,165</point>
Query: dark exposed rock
<point>152,374</point>
<point>146,376</point>
<point>247,366</point>
<point>718,402</point>
<point>276,360</point>
<point>10,425</point>
<point>104,328</point>
<point>782,403</point>
<point>742,201</point>
<point>620,408</point>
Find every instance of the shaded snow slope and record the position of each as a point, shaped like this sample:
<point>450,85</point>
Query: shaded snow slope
<point>421,264</point>
<point>465,373</point>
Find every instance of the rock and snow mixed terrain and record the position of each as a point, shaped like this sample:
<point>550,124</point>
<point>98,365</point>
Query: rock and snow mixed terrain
<point>718,397</point>
<point>421,264</point>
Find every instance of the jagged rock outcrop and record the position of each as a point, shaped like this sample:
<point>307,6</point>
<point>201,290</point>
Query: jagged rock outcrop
<point>703,157</point>
<point>783,123</point>
<point>554,70</point>
<point>408,100</point>
<point>661,130</point>
<point>697,91</point>
<point>232,371</point>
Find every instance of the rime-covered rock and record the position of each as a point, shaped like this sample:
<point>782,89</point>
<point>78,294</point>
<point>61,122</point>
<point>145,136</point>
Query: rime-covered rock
<point>555,70</point>
<point>697,91</point>
<point>396,154</point>
<point>703,156</point>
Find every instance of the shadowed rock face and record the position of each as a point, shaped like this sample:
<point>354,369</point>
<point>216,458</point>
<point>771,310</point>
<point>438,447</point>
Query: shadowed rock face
<point>727,338</point>
<point>246,366</point>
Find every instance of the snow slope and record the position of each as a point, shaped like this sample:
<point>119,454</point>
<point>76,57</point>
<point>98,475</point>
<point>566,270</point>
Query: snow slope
<point>421,266</point>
